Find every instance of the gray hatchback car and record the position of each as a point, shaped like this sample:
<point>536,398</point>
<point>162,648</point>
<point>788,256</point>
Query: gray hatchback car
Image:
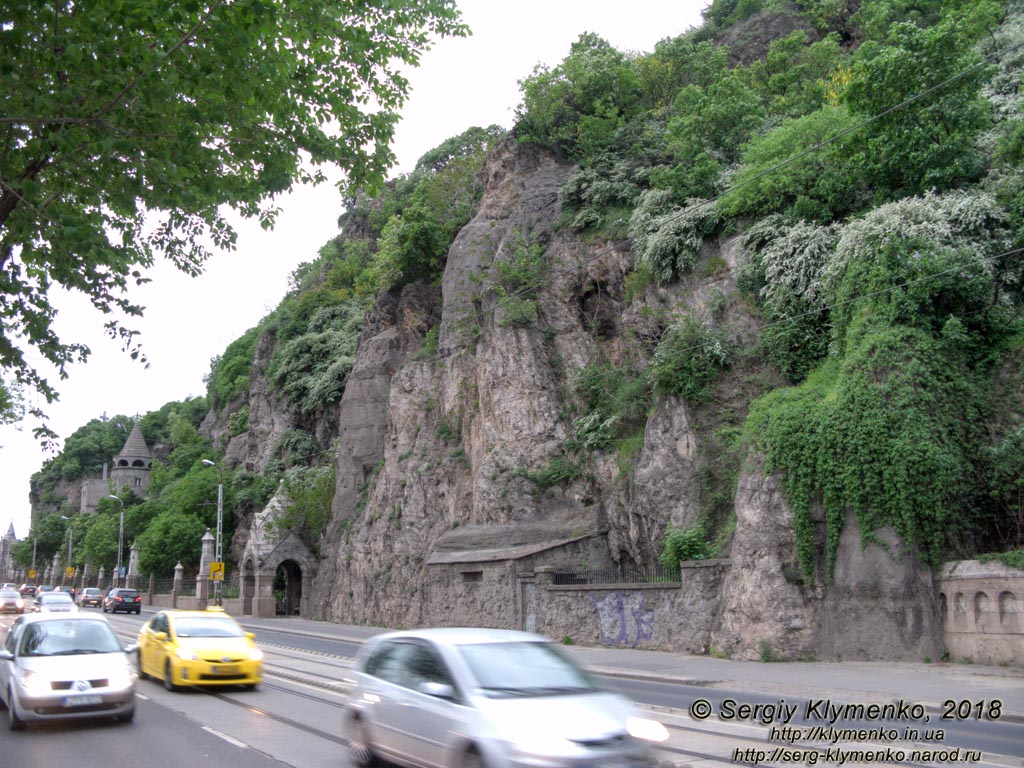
<point>57,666</point>
<point>456,698</point>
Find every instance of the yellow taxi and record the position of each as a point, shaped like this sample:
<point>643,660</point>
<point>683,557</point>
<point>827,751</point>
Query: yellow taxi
<point>198,648</point>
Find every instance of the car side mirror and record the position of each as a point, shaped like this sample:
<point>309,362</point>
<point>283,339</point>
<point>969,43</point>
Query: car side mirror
<point>251,636</point>
<point>437,690</point>
<point>130,648</point>
<point>160,636</point>
<point>6,655</point>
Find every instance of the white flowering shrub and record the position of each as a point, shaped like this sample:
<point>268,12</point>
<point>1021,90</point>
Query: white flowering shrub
<point>667,238</point>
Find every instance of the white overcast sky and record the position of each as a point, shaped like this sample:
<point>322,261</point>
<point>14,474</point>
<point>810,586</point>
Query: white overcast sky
<point>188,321</point>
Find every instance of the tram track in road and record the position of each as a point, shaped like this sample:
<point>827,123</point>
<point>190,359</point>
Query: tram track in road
<point>291,722</point>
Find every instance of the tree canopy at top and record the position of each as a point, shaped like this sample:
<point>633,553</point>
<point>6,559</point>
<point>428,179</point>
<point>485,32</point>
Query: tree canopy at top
<point>128,128</point>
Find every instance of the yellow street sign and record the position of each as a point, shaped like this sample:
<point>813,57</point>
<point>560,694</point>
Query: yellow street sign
<point>216,571</point>
<point>31,573</point>
<point>70,571</point>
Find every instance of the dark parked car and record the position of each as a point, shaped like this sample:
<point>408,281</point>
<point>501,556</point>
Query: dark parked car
<point>11,602</point>
<point>28,590</point>
<point>122,599</point>
<point>90,596</point>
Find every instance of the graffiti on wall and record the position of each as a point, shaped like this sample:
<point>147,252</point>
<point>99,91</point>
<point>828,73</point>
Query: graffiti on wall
<point>623,620</point>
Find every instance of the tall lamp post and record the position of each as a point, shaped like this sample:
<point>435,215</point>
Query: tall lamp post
<point>218,546</point>
<point>69,565</point>
<point>120,538</point>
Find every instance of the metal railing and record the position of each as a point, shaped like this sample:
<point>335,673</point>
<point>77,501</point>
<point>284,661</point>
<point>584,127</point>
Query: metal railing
<point>621,575</point>
<point>163,586</point>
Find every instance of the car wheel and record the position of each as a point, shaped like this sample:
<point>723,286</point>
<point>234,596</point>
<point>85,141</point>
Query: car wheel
<point>15,722</point>
<point>169,677</point>
<point>472,759</point>
<point>359,751</point>
<point>138,612</point>
<point>143,675</point>
<point>126,717</point>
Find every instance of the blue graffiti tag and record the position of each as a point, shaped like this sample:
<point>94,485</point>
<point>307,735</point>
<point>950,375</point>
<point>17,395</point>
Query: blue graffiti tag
<point>623,619</point>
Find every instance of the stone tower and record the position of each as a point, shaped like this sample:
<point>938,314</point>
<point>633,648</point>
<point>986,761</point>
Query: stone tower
<point>7,555</point>
<point>132,465</point>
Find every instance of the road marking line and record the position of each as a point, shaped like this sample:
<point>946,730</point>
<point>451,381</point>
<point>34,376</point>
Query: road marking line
<point>226,738</point>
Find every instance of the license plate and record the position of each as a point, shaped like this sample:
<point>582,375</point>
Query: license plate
<point>224,669</point>
<point>81,701</point>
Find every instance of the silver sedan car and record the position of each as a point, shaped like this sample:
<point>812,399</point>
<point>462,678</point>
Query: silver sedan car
<point>56,666</point>
<point>456,698</point>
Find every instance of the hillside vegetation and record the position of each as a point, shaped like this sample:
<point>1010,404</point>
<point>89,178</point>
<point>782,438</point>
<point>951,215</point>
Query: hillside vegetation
<point>869,156</point>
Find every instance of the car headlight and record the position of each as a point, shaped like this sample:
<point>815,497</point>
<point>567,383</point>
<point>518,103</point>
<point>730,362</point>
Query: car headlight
<point>35,684</point>
<point>185,654</point>
<point>646,729</point>
<point>122,678</point>
<point>255,654</point>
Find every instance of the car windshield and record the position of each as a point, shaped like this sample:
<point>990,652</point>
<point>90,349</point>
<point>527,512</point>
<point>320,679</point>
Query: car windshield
<point>91,591</point>
<point>8,594</point>
<point>55,597</point>
<point>207,626</point>
<point>524,669</point>
<point>68,638</point>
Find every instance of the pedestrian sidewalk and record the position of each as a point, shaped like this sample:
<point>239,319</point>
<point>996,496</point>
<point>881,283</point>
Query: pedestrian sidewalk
<point>846,682</point>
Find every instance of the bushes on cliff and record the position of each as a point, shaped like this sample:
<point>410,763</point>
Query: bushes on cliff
<point>892,426</point>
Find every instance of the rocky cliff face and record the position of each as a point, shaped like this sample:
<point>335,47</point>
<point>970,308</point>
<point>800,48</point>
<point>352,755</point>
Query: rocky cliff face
<point>438,453</point>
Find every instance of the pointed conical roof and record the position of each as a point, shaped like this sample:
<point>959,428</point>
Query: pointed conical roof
<point>135,447</point>
<point>10,532</point>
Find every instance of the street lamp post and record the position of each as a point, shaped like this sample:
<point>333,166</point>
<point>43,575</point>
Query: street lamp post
<point>120,538</point>
<point>218,545</point>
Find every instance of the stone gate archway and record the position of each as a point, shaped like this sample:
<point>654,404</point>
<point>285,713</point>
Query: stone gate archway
<point>269,553</point>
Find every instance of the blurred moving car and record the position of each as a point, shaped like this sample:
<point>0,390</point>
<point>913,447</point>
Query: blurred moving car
<point>8,585</point>
<point>55,667</point>
<point>54,602</point>
<point>461,697</point>
<point>185,648</point>
<point>45,588</point>
<point>11,601</point>
<point>28,590</point>
<point>90,596</point>
<point>122,599</point>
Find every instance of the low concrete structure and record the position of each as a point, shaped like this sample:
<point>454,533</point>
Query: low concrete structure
<point>982,608</point>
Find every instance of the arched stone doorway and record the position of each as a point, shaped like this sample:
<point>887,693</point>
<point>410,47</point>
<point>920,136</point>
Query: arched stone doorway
<point>288,589</point>
<point>274,566</point>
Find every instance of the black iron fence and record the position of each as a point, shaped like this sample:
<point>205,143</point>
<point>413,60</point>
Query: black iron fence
<point>619,575</point>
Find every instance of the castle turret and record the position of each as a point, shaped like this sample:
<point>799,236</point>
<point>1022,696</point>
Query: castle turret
<point>132,464</point>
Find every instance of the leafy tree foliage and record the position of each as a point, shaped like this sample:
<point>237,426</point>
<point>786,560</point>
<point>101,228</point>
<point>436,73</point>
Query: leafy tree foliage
<point>578,105</point>
<point>229,373</point>
<point>308,492</point>
<point>689,358</point>
<point>930,144</point>
<point>173,537</point>
<point>129,129</point>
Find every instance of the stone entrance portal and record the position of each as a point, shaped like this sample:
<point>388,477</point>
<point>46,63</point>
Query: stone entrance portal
<point>276,568</point>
